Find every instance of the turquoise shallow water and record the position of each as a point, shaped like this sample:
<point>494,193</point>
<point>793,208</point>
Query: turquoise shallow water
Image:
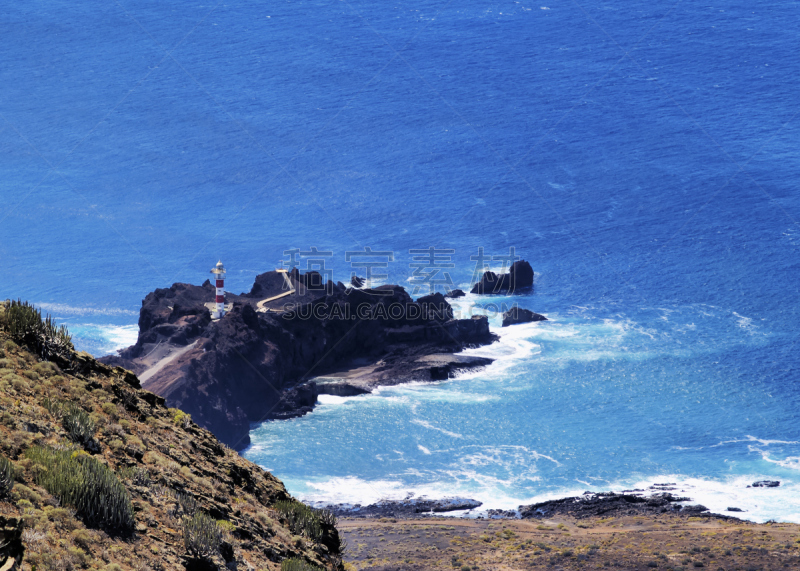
<point>642,155</point>
<point>578,403</point>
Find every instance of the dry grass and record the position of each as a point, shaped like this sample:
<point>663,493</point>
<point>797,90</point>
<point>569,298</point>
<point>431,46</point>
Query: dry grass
<point>630,543</point>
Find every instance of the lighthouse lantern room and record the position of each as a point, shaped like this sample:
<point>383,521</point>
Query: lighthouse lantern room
<point>219,274</point>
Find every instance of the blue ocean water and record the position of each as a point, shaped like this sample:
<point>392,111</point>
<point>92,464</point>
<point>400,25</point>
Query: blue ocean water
<point>642,155</point>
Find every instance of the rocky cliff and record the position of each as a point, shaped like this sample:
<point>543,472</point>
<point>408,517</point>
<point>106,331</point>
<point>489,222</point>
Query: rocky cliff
<point>257,362</point>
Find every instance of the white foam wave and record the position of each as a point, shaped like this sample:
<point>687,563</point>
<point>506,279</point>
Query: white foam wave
<point>103,339</point>
<point>791,462</point>
<point>759,504</point>
<point>750,438</point>
<point>83,310</point>
<point>429,426</point>
<point>332,399</point>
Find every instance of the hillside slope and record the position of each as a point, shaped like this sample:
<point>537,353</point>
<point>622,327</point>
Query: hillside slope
<point>96,473</point>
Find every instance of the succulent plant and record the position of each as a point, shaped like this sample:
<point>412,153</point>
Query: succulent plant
<point>304,520</point>
<point>202,535</point>
<point>25,324</point>
<point>6,476</point>
<point>83,482</point>
<point>78,424</point>
<point>295,564</point>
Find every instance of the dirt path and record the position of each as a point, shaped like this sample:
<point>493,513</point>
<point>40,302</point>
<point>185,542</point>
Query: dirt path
<point>260,305</point>
<point>164,362</point>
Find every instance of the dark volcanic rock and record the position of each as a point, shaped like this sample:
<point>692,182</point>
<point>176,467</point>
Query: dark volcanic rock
<point>11,547</point>
<point>254,363</point>
<point>436,307</point>
<point>455,293</point>
<point>519,278</point>
<point>609,503</point>
<point>734,509</point>
<point>517,315</point>
<point>408,508</point>
<point>356,281</point>
<point>766,484</point>
<point>501,514</point>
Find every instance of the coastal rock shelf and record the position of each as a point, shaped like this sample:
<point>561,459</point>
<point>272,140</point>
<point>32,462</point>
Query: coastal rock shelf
<point>275,351</point>
<point>409,508</point>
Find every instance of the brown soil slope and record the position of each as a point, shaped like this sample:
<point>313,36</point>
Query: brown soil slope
<point>169,466</point>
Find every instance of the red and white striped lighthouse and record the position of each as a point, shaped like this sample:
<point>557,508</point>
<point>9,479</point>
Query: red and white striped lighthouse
<point>219,273</point>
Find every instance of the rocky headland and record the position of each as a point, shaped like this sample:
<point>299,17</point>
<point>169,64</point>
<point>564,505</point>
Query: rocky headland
<point>289,339</point>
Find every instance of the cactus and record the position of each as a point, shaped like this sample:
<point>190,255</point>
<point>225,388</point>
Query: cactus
<point>202,535</point>
<point>186,505</point>
<point>25,324</point>
<point>79,426</point>
<point>81,481</point>
<point>295,564</point>
<point>6,476</point>
<point>54,406</point>
<point>302,519</point>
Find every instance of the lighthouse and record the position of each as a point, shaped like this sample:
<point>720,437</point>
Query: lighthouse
<point>219,274</point>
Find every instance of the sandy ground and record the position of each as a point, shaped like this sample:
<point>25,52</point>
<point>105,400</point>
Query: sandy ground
<point>631,543</point>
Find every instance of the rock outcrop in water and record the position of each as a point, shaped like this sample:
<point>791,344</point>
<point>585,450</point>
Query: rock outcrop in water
<point>766,484</point>
<point>410,508</point>
<point>519,278</point>
<point>517,315</point>
<point>611,504</point>
<point>258,361</point>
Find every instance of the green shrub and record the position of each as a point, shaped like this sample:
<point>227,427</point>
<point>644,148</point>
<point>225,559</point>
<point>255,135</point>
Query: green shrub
<point>186,505</point>
<point>6,476</point>
<point>225,525</point>
<point>32,375</point>
<point>78,424</point>
<point>46,369</point>
<point>21,491</point>
<point>304,520</point>
<point>25,324</point>
<point>54,406</point>
<point>110,409</point>
<point>202,535</point>
<point>137,475</point>
<point>296,564</point>
<point>81,481</point>
<point>180,418</point>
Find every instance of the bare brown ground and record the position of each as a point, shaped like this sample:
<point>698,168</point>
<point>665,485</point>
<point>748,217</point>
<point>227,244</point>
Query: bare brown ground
<point>644,543</point>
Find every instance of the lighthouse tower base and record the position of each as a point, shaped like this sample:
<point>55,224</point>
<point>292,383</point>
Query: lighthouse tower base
<point>212,309</point>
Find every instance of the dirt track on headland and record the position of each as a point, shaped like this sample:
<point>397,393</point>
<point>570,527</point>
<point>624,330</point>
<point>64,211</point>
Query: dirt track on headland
<point>676,542</point>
